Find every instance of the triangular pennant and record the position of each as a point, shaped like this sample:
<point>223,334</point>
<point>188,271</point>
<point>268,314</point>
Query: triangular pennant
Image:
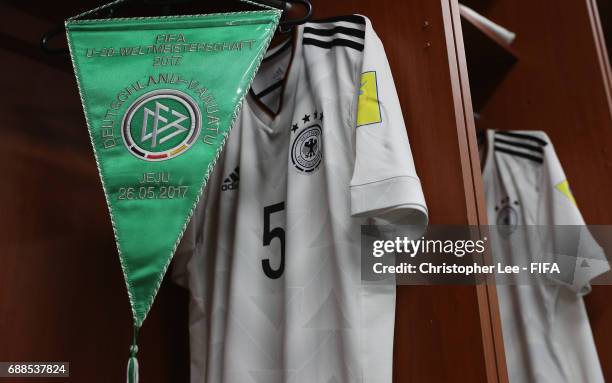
<point>160,95</point>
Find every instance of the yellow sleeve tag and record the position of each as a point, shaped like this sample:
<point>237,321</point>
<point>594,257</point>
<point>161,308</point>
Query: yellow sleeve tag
<point>564,188</point>
<point>368,109</point>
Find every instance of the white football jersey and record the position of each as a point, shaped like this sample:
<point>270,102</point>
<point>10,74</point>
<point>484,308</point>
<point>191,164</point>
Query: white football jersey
<point>547,335</point>
<point>272,255</point>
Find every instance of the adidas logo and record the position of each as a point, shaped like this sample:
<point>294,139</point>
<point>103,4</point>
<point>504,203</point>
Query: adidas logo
<point>232,182</point>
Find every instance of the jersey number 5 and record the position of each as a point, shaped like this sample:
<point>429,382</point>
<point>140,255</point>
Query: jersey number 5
<point>268,236</point>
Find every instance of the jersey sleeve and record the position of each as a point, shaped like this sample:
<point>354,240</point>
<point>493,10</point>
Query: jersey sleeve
<point>182,256</point>
<point>580,257</point>
<point>384,183</point>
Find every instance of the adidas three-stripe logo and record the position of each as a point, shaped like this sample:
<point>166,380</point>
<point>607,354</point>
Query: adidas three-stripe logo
<point>344,31</point>
<point>522,145</point>
<point>232,182</point>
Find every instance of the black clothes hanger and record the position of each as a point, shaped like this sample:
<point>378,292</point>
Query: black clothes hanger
<point>167,6</point>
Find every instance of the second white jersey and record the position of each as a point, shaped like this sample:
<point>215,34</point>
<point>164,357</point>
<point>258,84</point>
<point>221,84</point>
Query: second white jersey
<point>547,335</point>
<point>272,255</point>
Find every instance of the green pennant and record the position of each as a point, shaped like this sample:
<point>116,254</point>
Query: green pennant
<point>160,95</point>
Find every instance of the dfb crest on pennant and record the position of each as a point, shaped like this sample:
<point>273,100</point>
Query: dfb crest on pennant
<point>161,125</point>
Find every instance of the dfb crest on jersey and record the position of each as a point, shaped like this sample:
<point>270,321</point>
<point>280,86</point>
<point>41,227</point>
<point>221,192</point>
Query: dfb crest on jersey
<point>307,143</point>
<point>161,125</point>
<point>507,217</point>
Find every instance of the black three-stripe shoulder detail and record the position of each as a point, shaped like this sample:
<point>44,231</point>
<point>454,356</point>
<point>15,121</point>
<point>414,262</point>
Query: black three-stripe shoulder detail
<point>350,18</point>
<point>520,145</point>
<point>520,154</point>
<point>333,43</point>
<point>523,136</point>
<point>330,32</point>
